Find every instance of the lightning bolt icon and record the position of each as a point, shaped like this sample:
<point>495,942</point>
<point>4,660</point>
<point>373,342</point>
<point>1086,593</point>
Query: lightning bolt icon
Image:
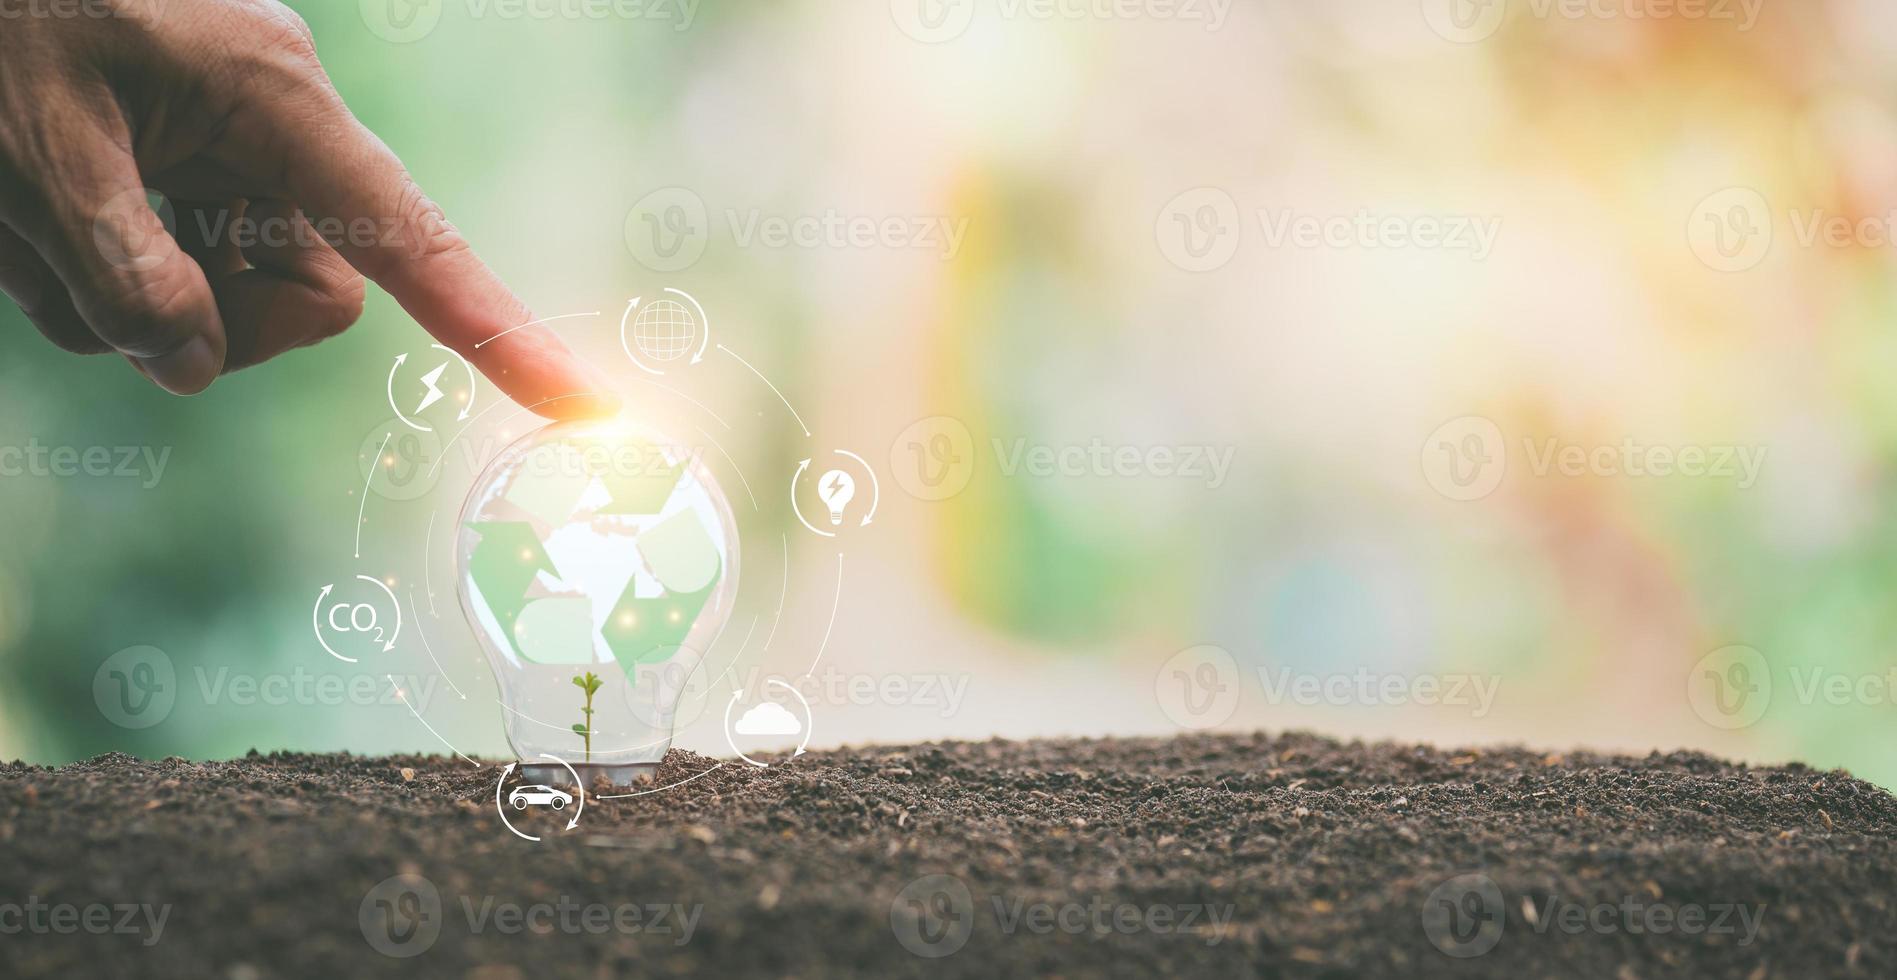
<point>434,392</point>
<point>834,481</point>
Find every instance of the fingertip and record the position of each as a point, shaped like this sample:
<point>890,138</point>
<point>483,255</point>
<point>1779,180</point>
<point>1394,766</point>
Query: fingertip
<point>186,371</point>
<point>581,405</point>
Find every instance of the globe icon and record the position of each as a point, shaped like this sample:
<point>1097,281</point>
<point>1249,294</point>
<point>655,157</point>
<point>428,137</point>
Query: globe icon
<point>665,330</point>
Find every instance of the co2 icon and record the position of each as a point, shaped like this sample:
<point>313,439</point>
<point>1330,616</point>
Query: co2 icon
<point>366,621</point>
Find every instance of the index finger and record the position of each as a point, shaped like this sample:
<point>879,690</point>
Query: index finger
<point>341,171</point>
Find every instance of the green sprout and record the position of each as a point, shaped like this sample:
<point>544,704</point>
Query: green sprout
<point>590,683</point>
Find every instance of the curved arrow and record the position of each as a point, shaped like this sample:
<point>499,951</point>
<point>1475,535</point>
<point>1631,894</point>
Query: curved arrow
<point>575,822</point>
<point>796,478</point>
<point>876,498</point>
<point>809,718</point>
<point>316,624</point>
<point>384,586</point>
<point>399,359</point>
<point>502,811</point>
<point>623,317</point>
<point>469,407</point>
<point>735,695</point>
<point>704,323</point>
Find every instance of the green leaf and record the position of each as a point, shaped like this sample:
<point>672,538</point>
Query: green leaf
<point>580,729</point>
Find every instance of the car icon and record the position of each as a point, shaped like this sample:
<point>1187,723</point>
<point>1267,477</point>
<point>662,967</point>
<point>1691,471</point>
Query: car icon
<point>542,795</point>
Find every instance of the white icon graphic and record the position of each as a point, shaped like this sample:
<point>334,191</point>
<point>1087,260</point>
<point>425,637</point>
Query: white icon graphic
<point>768,718</point>
<point>431,390</point>
<point>1465,459</point>
<point>539,795</point>
<point>364,618</point>
<point>664,331</point>
<point>836,489</point>
<point>433,393</point>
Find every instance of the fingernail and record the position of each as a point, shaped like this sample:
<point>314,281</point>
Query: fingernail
<point>185,371</point>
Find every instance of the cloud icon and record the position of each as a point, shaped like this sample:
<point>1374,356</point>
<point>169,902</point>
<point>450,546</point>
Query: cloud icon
<point>768,718</point>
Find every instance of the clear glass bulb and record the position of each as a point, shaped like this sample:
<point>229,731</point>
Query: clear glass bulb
<point>598,561</point>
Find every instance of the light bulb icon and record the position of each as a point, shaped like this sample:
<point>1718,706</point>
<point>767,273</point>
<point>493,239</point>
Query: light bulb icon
<point>597,563</point>
<point>836,489</point>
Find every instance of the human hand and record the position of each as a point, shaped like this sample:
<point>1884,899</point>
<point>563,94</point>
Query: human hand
<point>222,106</point>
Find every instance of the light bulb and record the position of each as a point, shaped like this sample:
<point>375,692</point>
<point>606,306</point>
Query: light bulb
<point>836,489</point>
<point>597,563</point>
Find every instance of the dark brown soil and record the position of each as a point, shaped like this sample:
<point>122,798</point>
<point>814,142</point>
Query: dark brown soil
<point>1290,855</point>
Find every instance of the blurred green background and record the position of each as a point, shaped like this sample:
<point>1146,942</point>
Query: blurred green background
<point>1075,151</point>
